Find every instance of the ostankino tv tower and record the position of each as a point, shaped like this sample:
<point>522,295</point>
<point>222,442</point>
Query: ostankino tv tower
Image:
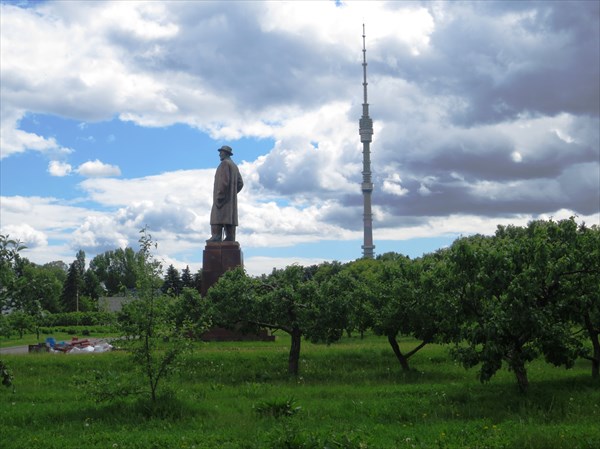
<point>366,133</point>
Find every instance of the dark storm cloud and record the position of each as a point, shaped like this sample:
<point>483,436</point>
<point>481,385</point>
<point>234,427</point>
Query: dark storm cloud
<point>348,216</point>
<point>576,188</point>
<point>483,154</point>
<point>510,58</point>
<point>506,59</point>
<point>229,52</point>
<point>288,178</point>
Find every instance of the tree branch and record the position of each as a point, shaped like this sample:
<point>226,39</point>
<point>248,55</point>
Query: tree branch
<point>420,346</point>
<point>270,325</point>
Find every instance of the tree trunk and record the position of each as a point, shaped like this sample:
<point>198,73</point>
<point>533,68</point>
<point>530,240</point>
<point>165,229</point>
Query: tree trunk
<point>294,359</point>
<point>521,374</point>
<point>593,333</point>
<point>396,348</point>
<point>596,367</point>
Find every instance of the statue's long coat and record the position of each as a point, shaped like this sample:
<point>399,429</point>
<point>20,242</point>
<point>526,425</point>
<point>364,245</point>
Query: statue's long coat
<point>228,182</point>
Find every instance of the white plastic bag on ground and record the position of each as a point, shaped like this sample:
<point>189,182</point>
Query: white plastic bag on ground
<point>102,347</point>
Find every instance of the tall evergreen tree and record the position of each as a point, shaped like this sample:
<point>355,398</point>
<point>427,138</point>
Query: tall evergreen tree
<point>172,283</point>
<point>187,281</point>
<point>92,287</point>
<point>80,263</point>
<point>72,288</point>
<point>198,281</point>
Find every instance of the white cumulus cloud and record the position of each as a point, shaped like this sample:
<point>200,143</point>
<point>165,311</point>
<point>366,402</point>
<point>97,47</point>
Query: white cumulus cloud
<point>57,168</point>
<point>26,234</point>
<point>98,169</point>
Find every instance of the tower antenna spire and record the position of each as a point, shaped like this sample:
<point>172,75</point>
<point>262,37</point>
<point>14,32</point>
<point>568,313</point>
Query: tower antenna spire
<point>366,134</point>
<point>364,64</point>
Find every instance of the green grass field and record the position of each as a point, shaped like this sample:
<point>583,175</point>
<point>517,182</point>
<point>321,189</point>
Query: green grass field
<point>349,395</point>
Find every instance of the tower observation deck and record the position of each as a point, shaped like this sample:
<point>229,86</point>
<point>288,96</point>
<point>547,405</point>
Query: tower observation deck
<point>366,134</point>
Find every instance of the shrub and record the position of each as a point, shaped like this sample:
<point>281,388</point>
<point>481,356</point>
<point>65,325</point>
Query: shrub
<point>277,408</point>
<point>79,319</point>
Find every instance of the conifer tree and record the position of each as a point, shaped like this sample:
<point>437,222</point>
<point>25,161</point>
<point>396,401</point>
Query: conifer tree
<point>72,288</point>
<point>172,284</point>
<point>187,281</point>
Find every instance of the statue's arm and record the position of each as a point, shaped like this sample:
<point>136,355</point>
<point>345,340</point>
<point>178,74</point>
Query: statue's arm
<point>240,182</point>
<point>222,185</point>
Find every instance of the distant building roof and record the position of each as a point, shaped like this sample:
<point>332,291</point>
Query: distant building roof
<point>113,303</point>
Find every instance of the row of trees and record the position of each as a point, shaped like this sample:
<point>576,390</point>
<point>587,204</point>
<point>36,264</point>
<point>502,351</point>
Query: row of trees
<point>523,293</point>
<point>34,290</point>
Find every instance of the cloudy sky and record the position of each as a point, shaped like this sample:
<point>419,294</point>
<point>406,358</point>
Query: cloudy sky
<point>485,113</point>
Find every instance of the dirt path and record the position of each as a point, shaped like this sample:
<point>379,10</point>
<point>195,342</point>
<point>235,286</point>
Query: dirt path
<point>14,350</point>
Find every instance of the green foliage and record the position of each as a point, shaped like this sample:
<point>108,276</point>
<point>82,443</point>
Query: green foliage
<point>80,319</point>
<point>187,280</point>
<point>105,385</point>
<point>81,288</point>
<point>349,292</point>
<point>9,252</point>
<point>172,284</point>
<point>21,322</point>
<point>277,408</point>
<point>37,287</point>
<point>148,325</point>
<point>116,270</point>
<point>92,287</point>
<point>6,328</point>
<point>234,300</point>
<point>395,296</point>
<point>510,299</point>
<point>523,293</point>
<point>288,300</point>
<point>191,312</point>
<point>582,284</point>
<point>5,375</point>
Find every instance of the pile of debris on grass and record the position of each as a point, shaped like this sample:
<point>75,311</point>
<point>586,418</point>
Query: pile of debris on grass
<point>75,346</point>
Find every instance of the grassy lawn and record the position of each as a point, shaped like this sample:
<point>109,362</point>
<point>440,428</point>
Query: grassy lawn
<point>351,395</point>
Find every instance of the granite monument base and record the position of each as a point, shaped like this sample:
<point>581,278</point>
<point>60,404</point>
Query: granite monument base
<point>218,258</point>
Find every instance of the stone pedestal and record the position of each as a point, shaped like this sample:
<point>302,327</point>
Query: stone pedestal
<point>218,258</point>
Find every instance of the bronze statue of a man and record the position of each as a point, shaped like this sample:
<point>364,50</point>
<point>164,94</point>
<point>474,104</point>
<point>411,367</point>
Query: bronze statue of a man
<point>228,182</point>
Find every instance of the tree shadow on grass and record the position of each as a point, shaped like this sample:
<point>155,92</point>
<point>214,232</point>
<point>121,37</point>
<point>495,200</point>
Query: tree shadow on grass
<point>545,402</point>
<point>132,410</point>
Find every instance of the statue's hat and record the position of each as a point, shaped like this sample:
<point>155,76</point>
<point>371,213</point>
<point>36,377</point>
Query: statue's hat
<point>227,149</point>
